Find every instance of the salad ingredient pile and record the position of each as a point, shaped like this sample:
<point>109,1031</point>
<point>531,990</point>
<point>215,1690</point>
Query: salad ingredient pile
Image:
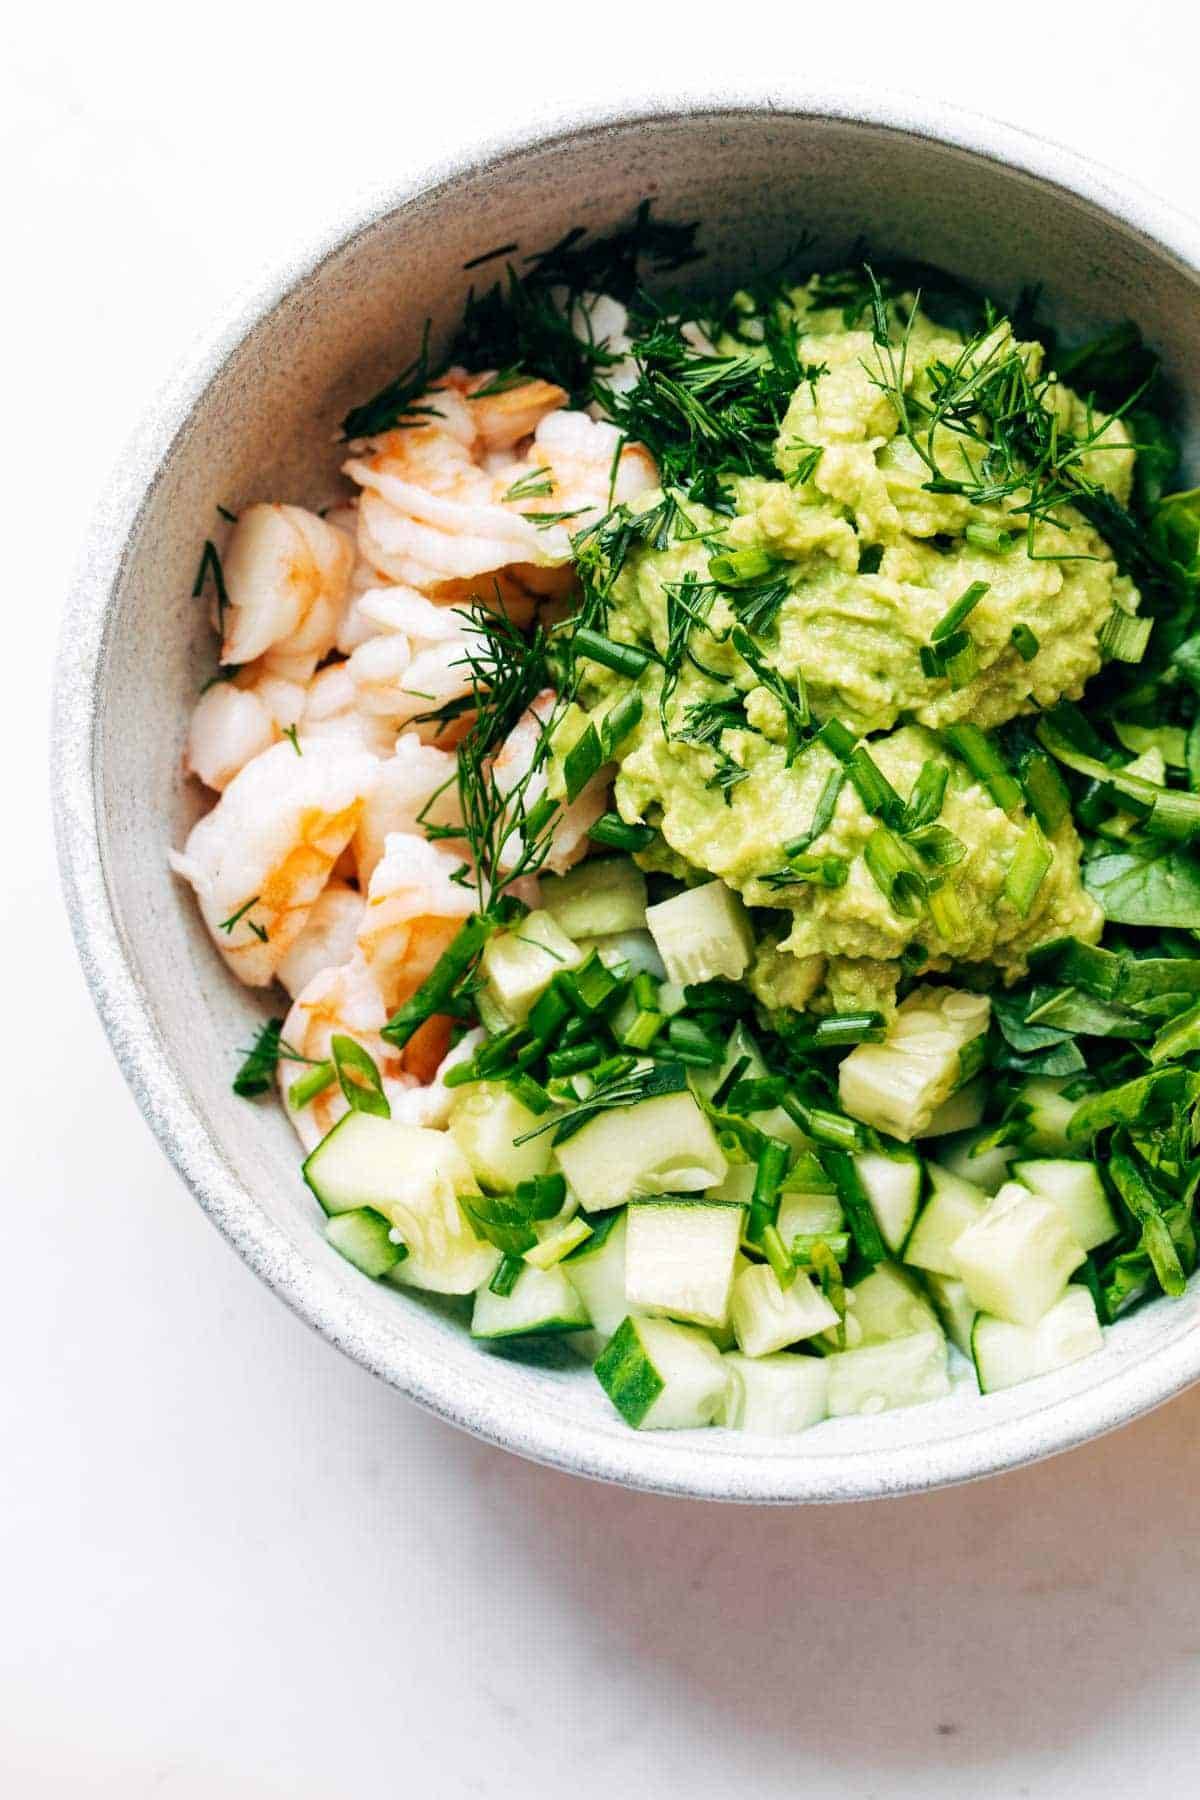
<point>721,798</point>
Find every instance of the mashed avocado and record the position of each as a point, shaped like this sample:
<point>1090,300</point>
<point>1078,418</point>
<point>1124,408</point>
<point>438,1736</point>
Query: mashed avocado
<point>840,571</point>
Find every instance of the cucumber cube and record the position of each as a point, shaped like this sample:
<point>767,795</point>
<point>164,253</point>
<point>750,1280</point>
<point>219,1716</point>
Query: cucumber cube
<point>952,1205</point>
<point>542,1303</point>
<point>597,1271</point>
<point>1048,1117</point>
<point>662,1376</point>
<point>897,1086</point>
<point>599,897</point>
<point>954,1307</point>
<point>1076,1189</point>
<point>485,1121</point>
<point>881,1377</point>
<point>1007,1354</point>
<point>679,1258</point>
<point>767,1317</point>
<point>660,1146</point>
<point>1017,1257</point>
<point>885,1304</point>
<point>808,1215</point>
<point>893,1186</point>
<point>519,964</point>
<point>988,1170</point>
<point>363,1239</point>
<point>774,1395</point>
<point>961,1112</point>
<point>702,933</point>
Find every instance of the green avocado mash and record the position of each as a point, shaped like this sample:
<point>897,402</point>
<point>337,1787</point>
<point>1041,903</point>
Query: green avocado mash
<point>840,570</point>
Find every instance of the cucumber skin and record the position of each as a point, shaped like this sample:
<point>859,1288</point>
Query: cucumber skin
<point>627,1375</point>
<point>362,1238</point>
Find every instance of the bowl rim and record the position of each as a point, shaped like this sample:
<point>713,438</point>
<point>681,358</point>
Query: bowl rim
<point>657,1463</point>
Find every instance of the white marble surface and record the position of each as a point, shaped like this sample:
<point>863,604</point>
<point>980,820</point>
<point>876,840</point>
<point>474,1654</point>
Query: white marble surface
<point>232,1564</point>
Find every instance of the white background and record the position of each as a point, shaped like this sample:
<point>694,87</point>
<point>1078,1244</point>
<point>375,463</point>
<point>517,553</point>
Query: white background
<point>230,1563</point>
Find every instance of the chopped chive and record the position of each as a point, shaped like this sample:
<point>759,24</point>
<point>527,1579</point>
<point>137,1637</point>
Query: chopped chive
<point>623,659</point>
<point>614,1068</point>
<point>823,815</point>
<point>313,1082</point>
<point>776,1253</point>
<point>874,789</point>
<point>927,797</point>
<point>805,1243</point>
<point>837,738</point>
<point>549,1011</point>
<point>574,1058</point>
<point>895,872</point>
<point>611,829</point>
<point>729,1082</point>
<point>946,912</point>
<point>740,567</point>
<point>530,1093</point>
<point>1025,642</point>
<point>838,1029</point>
<point>1045,790</point>
<point>692,1044</point>
<point>508,1273</point>
<point>772,1162</point>
<point>499,1052</point>
<point>582,761</point>
<point>985,763</point>
<point>591,984</point>
<point>1124,636</point>
<point>989,537</point>
<point>821,871</point>
<point>359,1077</point>
<point>824,1127</point>
<point>856,1206</point>
<point>618,722</point>
<point>953,617</point>
<point>1028,869</point>
<point>936,846</point>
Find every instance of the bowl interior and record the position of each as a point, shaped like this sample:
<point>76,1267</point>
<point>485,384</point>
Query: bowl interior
<point>263,428</point>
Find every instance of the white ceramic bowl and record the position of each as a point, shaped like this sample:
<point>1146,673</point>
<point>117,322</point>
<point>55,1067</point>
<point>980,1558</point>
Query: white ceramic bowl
<point>253,418</point>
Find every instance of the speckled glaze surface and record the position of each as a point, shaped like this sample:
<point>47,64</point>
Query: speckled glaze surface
<point>252,416</point>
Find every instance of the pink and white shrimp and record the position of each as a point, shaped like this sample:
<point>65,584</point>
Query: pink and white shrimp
<point>416,786</point>
<point>415,907</point>
<point>287,574</point>
<point>515,763</point>
<point>237,720</point>
<point>261,857</point>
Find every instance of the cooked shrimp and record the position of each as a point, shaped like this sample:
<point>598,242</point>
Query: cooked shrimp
<point>328,939</point>
<point>287,574</point>
<point>332,714</point>
<point>434,511</point>
<point>261,857</point>
<point>347,1000</point>
<point>419,661</point>
<point>414,908</point>
<point>568,838</point>
<point>416,780</point>
<point>237,720</point>
<point>503,418</point>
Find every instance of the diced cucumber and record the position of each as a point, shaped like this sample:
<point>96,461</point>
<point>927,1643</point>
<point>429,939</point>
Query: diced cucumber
<point>558,1242</point>
<point>961,1112</point>
<point>893,1186</point>
<point>1048,1118</point>
<point>604,895</point>
<point>542,1303</point>
<point>1016,1259</point>
<point>1006,1354</point>
<point>519,964</point>
<point>413,1176</point>
<point>485,1121</point>
<point>1076,1189</point>
<point>679,1258</point>
<point>633,948</point>
<point>738,1186</point>
<point>953,1204</point>
<point>362,1238</point>
<point>597,1271</point>
<point>701,934</point>
<point>880,1377</point>
<point>954,1307</point>
<point>659,1146</point>
<point>988,1170</point>
<point>774,1395</point>
<point>662,1376</point>
<point>808,1215</point>
<point>885,1304</point>
<point>767,1317</point>
<point>897,1086</point>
